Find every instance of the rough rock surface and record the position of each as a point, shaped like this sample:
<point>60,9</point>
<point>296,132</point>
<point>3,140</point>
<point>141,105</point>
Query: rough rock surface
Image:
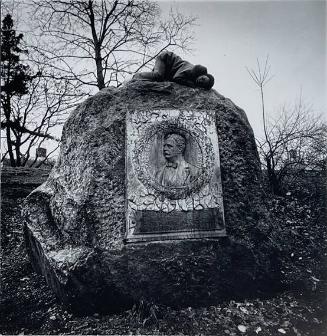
<point>75,221</point>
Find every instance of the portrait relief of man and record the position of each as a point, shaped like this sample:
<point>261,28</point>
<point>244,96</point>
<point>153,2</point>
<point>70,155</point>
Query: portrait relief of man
<point>176,172</point>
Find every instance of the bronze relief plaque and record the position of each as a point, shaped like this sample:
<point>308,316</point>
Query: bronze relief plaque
<point>173,177</point>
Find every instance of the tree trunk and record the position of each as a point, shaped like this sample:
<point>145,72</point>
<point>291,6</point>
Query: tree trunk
<point>272,178</point>
<point>276,188</point>
<point>17,149</point>
<point>98,62</point>
<point>7,109</point>
<point>10,150</point>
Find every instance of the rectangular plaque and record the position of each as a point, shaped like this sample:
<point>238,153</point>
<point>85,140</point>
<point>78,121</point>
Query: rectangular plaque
<point>173,176</point>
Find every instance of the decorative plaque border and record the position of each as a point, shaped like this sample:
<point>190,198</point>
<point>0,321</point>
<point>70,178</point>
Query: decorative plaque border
<point>155,210</point>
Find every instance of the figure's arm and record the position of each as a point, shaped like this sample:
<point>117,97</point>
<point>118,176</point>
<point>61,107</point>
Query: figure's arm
<point>150,76</point>
<point>187,82</point>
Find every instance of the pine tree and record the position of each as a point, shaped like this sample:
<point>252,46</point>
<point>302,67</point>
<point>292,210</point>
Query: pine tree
<point>15,78</point>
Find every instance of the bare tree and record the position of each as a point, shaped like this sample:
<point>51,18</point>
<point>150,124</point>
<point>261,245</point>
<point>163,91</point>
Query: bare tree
<point>261,76</point>
<point>99,43</point>
<point>316,155</point>
<point>36,117</point>
<point>292,142</point>
<point>33,101</point>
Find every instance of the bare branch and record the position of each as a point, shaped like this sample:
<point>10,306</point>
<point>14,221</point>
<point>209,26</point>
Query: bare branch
<point>83,39</point>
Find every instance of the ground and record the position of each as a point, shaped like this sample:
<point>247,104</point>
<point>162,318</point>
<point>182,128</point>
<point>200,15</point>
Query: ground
<point>29,307</point>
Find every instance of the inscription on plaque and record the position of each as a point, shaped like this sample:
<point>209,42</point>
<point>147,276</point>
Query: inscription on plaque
<point>173,176</point>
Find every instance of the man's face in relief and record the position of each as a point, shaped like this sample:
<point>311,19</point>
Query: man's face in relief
<point>170,149</point>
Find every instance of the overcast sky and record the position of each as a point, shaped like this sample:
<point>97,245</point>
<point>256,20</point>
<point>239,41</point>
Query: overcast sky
<point>232,34</point>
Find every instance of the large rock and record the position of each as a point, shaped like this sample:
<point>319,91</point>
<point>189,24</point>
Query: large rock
<point>76,223</point>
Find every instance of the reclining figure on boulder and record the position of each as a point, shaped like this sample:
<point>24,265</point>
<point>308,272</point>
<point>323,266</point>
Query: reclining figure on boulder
<point>170,67</point>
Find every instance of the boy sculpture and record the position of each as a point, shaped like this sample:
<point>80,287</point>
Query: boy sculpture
<point>170,67</point>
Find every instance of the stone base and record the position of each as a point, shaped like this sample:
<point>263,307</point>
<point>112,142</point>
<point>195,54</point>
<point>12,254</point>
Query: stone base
<point>77,277</point>
<point>177,273</point>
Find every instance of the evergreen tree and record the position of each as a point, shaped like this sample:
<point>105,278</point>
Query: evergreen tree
<point>15,78</point>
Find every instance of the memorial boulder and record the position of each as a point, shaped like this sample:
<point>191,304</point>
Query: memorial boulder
<point>156,195</point>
